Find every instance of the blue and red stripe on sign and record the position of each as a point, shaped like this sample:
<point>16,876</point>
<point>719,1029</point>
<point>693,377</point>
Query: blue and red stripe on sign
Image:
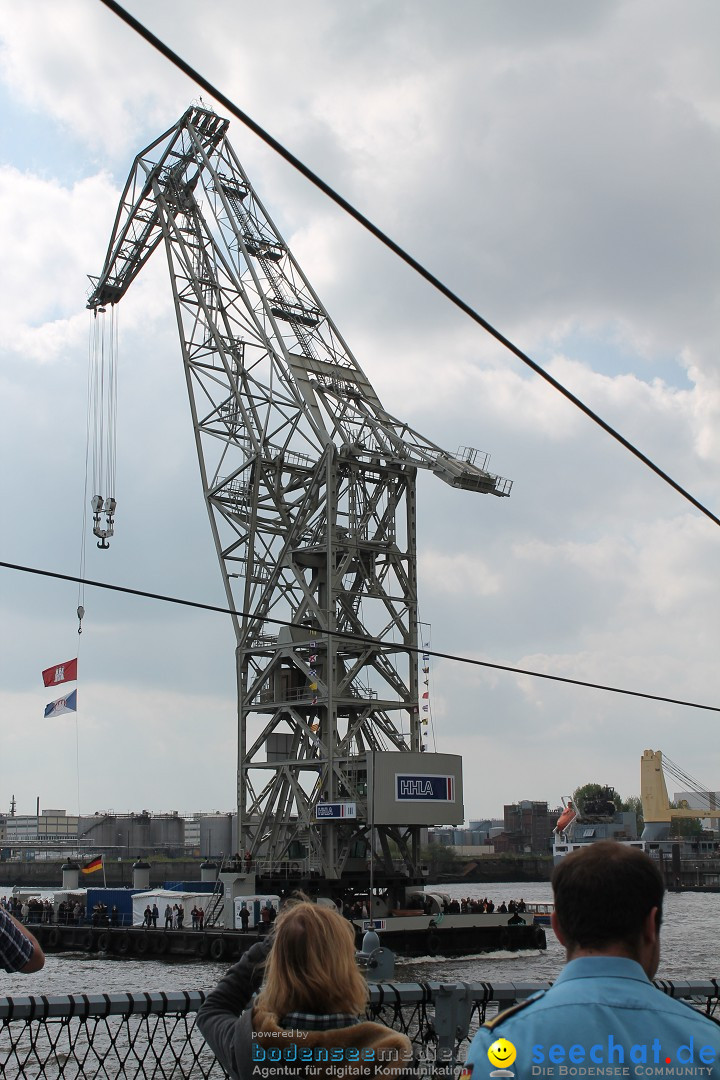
<point>424,787</point>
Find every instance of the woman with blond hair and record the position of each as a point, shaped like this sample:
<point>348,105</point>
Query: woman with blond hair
<point>305,1019</point>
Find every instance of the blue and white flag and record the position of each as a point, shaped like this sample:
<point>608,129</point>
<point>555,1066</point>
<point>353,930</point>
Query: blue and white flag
<point>62,705</point>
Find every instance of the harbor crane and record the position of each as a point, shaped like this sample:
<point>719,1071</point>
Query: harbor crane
<point>310,487</point>
<point>657,811</point>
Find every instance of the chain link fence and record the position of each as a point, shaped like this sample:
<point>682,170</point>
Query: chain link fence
<point>153,1035</point>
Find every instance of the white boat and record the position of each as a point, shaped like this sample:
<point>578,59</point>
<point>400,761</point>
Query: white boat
<point>540,911</point>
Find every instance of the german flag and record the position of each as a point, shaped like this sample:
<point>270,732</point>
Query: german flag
<point>93,865</point>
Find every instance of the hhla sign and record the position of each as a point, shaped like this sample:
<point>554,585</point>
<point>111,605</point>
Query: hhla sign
<point>330,811</point>
<point>424,787</point>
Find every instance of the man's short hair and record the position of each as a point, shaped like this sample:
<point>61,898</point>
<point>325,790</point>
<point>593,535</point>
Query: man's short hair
<point>603,894</point>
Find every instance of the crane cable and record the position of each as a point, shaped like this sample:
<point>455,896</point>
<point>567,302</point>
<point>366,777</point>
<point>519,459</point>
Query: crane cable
<point>691,784</point>
<point>88,428</point>
<point>100,454</point>
<point>401,253</point>
<point>102,421</point>
<point>100,436</point>
<point>345,636</point>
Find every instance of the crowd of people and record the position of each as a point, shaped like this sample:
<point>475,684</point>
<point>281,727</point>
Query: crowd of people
<point>474,905</point>
<point>35,910</point>
<point>465,906</point>
<point>174,916</point>
<point>102,916</point>
<point>357,909</point>
<point>71,912</point>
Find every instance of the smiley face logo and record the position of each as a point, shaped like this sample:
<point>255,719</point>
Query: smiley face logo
<point>502,1053</point>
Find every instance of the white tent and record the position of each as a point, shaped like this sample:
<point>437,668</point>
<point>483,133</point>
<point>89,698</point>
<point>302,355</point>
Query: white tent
<point>163,897</point>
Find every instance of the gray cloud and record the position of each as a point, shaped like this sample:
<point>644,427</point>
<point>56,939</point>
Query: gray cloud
<point>557,165</point>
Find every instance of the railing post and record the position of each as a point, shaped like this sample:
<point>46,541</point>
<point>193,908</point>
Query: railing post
<point>453,1009</point>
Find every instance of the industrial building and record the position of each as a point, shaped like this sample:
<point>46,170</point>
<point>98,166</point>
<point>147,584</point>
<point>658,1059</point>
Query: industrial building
<point>53,834</point>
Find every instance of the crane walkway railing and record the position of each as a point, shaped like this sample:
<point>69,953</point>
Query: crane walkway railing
<point>139,1035</point>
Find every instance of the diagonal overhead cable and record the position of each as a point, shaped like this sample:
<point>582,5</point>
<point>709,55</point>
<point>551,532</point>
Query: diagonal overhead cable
<point>388,242</point>
<point>344,636</point>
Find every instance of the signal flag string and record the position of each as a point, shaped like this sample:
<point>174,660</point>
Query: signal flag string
<point>426,712</point>
<point>343,636</point>
<point>401,253</point>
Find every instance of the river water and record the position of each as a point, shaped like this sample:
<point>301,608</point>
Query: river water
<point>689,951</point>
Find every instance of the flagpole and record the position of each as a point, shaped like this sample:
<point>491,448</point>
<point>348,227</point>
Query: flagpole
<point>103,866</point>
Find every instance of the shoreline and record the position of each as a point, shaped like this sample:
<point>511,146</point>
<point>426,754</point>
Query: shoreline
<point>47,874</point>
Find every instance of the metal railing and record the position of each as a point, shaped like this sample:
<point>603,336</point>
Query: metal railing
<point>138,1036</point>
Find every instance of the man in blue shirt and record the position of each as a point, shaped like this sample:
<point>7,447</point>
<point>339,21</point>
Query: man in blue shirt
<point>19,949</point>
<point>603,1017</point>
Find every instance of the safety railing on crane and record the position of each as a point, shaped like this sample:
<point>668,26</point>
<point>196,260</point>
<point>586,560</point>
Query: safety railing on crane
<point>288,868</point>
<point>138,1035</point>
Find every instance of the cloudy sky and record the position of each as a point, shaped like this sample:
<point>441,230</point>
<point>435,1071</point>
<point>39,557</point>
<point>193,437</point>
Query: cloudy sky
<point>557,164</point>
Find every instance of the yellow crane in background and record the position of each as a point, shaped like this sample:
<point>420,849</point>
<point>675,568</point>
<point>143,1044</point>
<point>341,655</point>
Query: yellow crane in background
<point>657,811</point>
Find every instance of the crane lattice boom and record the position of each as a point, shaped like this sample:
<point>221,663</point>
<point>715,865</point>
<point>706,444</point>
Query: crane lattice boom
<point>310,490</point>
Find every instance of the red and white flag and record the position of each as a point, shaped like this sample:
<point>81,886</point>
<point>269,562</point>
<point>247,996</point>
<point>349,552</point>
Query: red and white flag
<point>66,672</point>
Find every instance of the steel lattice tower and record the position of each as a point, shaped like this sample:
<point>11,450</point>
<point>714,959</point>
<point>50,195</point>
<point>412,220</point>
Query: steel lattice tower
<point>310,490</point>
